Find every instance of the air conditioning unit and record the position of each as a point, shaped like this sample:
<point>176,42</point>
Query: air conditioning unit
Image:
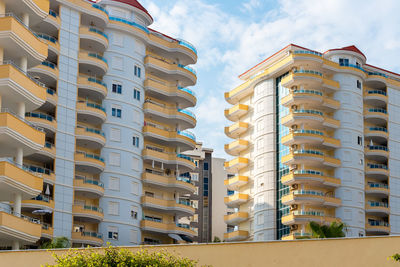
<point>294,107</point>
<point>294,227</point>
<point>294,186</point>
<point>294,207</point>
<point>293,167</point>
<point>294,127</point>
<point>294,146</point>
<point>294,88</point>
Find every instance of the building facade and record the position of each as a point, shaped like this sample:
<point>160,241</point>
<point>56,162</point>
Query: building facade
<point>98,102</point>
<point>316,139</point>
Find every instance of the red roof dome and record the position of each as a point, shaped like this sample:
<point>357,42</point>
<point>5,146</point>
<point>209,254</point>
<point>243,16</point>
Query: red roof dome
<point>351,48</point>
<point>136,4</point>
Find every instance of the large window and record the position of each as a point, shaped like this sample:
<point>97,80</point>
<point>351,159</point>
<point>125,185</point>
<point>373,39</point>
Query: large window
<point>112,232</point>
<point>136,94</point>
<point>205,166</point>
<point>138,71</point>
<point>343,61</point>
<point>116,112</point>
<point>117,88</point>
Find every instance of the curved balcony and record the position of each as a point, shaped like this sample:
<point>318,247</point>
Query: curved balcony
<point>16,179</point>
<point>48,153</point>
<point>305,217</point>
<point>376,78</point>
<point>236,129</point>
<point>311,177</point>
<point>46,72</point>
<point>236,182</point>
<point>376,133</point>
<point>128,26</point>
<point>38,9</point>
<point>310,197</point>
<point>47,231</point>
<point>235,200</point>
<point>86,162</point>
<point>376,115</point>
<point>183,139</point>
<point>236,218</point>
<point>238,235</point>
<point>378,153</point>
<point>377,171</point>
<point>92,88</point>
<point>235,112</point>
<point>42,120</point>
<point>41,201</point>
<point>309,137</point>
<point>47,174</point>
<point>297,236</point>
<point>375,97</point>
<point>51,23</point>
<point>236,164</point>
<point>93,39</point>
<point>378,189</point>
<point>310,97</point>
<point>310,157</point>
<point>88,187</point>
<point>179,184</point>
<point>170,160</point>
<point>92,63</point>
<point>377,228</point>
<point>52,42</point>
<point>166,228</point>
<point>94,13</point>
<point>18,86</point>
<point>310,78</point>
<point>236,147</point>
<point>170,72</point>
<point>181,208</point>
<point>90,112</point>
<point>15,132</point>
<point>20,40</point>
<point>52,97</point>
<point>161,90</point>
<point>314,118</point>
<point>87,213</point>
<point>87,238</point>
<point>89,137</point>
<point>377,208</point>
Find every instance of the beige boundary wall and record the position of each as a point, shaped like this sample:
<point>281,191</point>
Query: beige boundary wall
<point>369,251</point>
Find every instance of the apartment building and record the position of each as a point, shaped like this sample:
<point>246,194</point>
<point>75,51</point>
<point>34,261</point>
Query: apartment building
<point>94,117</point>
<point>315,139</point>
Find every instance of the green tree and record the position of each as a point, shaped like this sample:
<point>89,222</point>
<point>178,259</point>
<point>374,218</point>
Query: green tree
<point>58,242</point>
<point>324,231</point>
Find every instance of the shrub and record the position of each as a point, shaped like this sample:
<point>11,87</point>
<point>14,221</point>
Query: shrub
<point>115,257</point>
<point>396,257</point>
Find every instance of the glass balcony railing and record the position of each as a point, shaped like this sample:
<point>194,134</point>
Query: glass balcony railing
<point>184,225</point>
<point>186,90</point>
<point>89,181</point>
<point>51,91</point>
<point>46,37</point>
<point>184,179</point>
<point>48,145</point>
<point>378,223</point>
<point>308,111</point>
<point>378,204</point>
<point>43,198</point>
<point>93,208</point>
<point>33,79</point>
<point>378,110</point>
<point>37,169</point>
<point>92,130</point>
<point>307,192</point>
<point>187,68</point>
<point>100,8</point>
<point>307,52</point>
<point>49,64</point>
<point>379,92</point>
<point>92,234</point>
<point>185,157</point>
<point>26,218</point>
<point>383,148</point>
<point>40,116</point>
<point>92,29</point>
<point>308,151</point>
<point>377,73</point>
<point>306,91</point>
<point>91,156</point>
<point>309,172</point>
<point>187,112</point>
<point>308,132</point>
<point>308,72</point>
<point>93,105</point>
<point>53,13</point>
<point>94,80</point>
<point>184,202</point>
<point>379,129</point>
<point>352,66</point>
<point>95,55</point>
<point>188,134</point>
<point>378,185</point>
<point>377,166</point>
<point>188,45</point>
<point>309,213</point>
<point>131,23</point>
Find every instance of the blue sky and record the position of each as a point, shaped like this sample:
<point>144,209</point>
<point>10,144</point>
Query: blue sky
<point>231,36</point>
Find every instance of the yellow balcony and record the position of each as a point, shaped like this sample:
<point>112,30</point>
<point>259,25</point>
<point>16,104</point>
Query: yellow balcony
<point>310,78</point>
<point>377,133</point>
<point>310,177</point>
<point>377,208</point>
<point>236,129</point>
<point>16,180</point>
<point>18,87</point>
<point>87,162</point>
<point>236,147</point>
<point>87,238</point>
<point>378,171</point>
<point>39,7</point>
<point>93,87</point>
<point>378,189</point>
<point>47,231</point>
<point>376,115</point>
<point>182,208</point>
<point>40,202</point>
<point>313,118</point>
<point>305,217</point>
<point>236,164</point>
<point>166,228</point>
<point>236,200</point>
<point>52,22</point>
<point>52,42</point>
<point>236,218</point>
<point>19,41</point>
<point>314,137</point>
<point>310,157</point>
<point>47,72</point>
<point>42,120</point>
<point>93,39</point>
<point>235,112</point>
<point>236,182</point>
<point>47,153</point>
<point>125,26</point>
<point>310,197</point>
<point>297,236</point>
<point>24,229</point>
<point>92,63</point>
<point>170,160</point>
<point>52,97</point>
<point>89,137</point>
<point>165,182</point>
<point>90,112</point>
<point>377,228</point>
<point>377,77</point>
<point>87,213</point>
<point>88,187</point>
<point>236,236</point>
<point>184,139</point>
<point>377,152</point>
<point>375,97</point>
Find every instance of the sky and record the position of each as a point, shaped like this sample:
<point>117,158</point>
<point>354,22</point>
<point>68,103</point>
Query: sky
<point>232,36</point>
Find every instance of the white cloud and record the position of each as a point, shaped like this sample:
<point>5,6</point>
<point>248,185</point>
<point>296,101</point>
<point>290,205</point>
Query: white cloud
<point>251,5</point>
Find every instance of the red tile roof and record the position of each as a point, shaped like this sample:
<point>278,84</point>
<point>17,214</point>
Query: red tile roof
<point>351,48</point>
<point>136,4</point>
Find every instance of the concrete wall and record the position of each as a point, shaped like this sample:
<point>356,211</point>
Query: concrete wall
<point>368,251</point>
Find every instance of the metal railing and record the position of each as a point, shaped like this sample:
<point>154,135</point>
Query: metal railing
<point>24,217</point>
<point>89,181</point>
<point>9,111</point>
<point>187,44</point>
<point>91,156</point>
<point>46,37</point>
<point>131,23</point>
<point>10,62</point>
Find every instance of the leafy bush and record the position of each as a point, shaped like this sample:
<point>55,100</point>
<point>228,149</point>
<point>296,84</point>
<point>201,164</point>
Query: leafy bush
<point>396,257</point>
<point>115,257</point>
<point>324,231</point>
<point>58,242</point>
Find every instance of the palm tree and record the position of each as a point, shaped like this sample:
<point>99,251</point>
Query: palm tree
<point>324,231</point>
<point>58,242</point>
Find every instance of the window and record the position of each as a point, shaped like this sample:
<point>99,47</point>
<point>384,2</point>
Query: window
<point>113,208</point>
<point>205,166</point>
<point>117,63</point>
<point>194,176</point>
<point>134,236</point>
<point>113,183</point>
<point>343,61</point>
<point>136,94</point>
<point>150,241</point>
<point>206,180</point>
<point>135,164</point>
<point>117,88</point>
<point>359,140</point>
<point>118,39</point>
<point>358,84</point>
<point>115,134</point>
<point>135,188</point>
<point>361,162</point>
<point>138,71</point>
<point>358,64</point>
<point>134,212</point>
<point>136,141</point>
<point>112,232</point>
<point>115,159</point>
<point>116,112</point>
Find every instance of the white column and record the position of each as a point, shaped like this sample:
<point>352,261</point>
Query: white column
<point>0,102</point>
<point>15,245</point>
<point>177,197</point>
<point>25,19</point>
<point>2,7</point>
<point>23,64</point>
<point>20,156</point>
<point>21,109</point>
<point>17,204</point>
<point>1,49</point>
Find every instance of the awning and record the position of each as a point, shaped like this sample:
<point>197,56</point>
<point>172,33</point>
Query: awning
<point>186,238</point>
<point>176,237</point>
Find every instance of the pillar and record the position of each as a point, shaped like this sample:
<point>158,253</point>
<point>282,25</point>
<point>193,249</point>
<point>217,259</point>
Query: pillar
<point>2,7</point>
<point>1,51</point>
<point>0,103</point>
<point>25,19</point>
<point>21,110</point>
<point>17,204</point>
<point>15,245</point>
<point>23,64</point>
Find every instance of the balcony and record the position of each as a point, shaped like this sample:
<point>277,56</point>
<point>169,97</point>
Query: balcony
<point>311,177</point>
<point>310,97</point>
<point>87,162</point>
<point>377,228</point>
<point>46,72</point>
<point>311,158</point>
<point>236,164</point>
<point>181,208</point>
<point>170,160</point>
<point>305,217</point>
<point>42,120</point>
<point>16,179</point>
<point>18,133</point>
<point>158,134</point>
<point>236,200</point>
<point>314,137</point>
<point>376,116</point>
<point>377,189</point>
<point>236,147</point>
<point>379,153</point>
<point>93,39</point>
<point>87,213</point>
<point>87,238</point>
<point>377,208</point>
<point>236,182</point>
<point>92,87</point>
<point>92,63</point>
<point>235,130</point>
<point>47,174</point>
<point>161,90</point>
<point>170,71</point>
<point>238,235</point>
<point>38,9</point>
<point>88,187</point>
<point>166,228</point>
<point>376,98</point>
<point>131,27</point>
<point>52,97</point>
<point>89,137</point>
<point>377,134</point>
<point>19,40</point>
<point>377,78</point>
<point>47,231</point>
<point>52,23</point>
<point>377,171</point>
<point>237,111</point>
<point>48,153</point>
<point>310,197</point>
<point>41,201</point>
<point>18,86</point>
<point>313,118</point>
<point>90,112</point>
<point>179,184</point>
<point>297,236</point>
<point>310,78</point>
<point>16,227</point>
<point>236,218</point>
<point>52,42</point>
